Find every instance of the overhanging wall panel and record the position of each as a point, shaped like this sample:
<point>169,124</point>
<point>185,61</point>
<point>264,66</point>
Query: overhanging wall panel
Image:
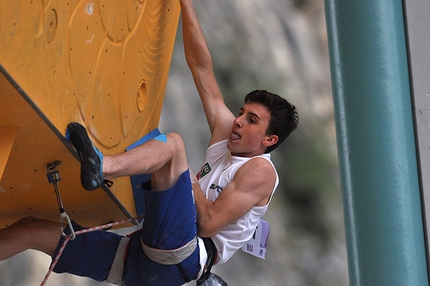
<point>102,63</point>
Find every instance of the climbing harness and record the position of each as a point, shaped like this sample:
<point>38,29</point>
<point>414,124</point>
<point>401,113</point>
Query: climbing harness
<point>54,178</point>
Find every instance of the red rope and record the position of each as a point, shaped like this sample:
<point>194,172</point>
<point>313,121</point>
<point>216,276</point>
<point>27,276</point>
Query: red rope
<point>100,227</point>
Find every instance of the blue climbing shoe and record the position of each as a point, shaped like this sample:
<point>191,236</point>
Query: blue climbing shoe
<point>91,158</point>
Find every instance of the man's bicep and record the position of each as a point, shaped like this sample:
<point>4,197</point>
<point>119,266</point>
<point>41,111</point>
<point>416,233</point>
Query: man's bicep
<point>245,191</point>
<point>252,184</point>
<point>230,205</point>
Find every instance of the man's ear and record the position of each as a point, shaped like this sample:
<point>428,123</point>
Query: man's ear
<point>270,140</point>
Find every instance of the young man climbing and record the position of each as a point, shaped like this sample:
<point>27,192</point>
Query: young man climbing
<point>190,221</point>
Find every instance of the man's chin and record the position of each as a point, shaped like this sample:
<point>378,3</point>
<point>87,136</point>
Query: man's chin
<point>230,144</point>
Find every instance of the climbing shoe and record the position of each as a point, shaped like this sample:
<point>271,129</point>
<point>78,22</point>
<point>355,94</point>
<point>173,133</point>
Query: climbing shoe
<point>91,158</point>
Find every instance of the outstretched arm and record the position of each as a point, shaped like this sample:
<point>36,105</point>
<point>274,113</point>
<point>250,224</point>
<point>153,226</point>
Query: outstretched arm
<point>219,117</point>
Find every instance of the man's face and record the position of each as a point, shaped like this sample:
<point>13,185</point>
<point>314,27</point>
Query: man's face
<point>248,137</point>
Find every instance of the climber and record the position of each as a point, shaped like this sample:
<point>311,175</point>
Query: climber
<point>191,221</point>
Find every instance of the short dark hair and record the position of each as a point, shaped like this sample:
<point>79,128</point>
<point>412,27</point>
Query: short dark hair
<point>283,115</point>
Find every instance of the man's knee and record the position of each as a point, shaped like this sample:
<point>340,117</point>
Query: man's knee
<point>28,220</point>
<point>176,142</point>
<point>32,224</point>
<point>23,227</point>
<point>38,234</point>
<point>27,223</point>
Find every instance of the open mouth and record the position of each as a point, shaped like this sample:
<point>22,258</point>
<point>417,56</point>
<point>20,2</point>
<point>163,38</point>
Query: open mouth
<point>235,136</point>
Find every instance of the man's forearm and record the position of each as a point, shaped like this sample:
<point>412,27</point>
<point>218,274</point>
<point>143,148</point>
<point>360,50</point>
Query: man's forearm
<point>201,208</point>
<point>200,202</point>
<point>195,46</point>
<point>199,61</point>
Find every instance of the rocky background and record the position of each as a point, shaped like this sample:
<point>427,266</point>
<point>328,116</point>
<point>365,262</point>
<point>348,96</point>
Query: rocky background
<point>281,46</point>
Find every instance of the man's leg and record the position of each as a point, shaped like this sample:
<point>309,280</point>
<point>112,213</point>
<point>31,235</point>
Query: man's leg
<point>163,157</point>
<point>29,233</point>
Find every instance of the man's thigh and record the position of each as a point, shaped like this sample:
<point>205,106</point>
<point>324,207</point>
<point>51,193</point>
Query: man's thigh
<point>170,219</point>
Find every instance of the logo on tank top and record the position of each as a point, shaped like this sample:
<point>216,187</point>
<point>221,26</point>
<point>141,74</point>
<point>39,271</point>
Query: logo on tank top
<point>216,188</point>
<point>204,171</point>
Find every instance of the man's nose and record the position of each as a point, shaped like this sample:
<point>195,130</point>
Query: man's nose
<point>238,121</point>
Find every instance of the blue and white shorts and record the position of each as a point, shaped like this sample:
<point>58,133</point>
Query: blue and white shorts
<point>170,222</point>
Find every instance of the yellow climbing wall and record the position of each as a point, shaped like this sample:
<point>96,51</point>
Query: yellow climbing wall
<point>102,63</point>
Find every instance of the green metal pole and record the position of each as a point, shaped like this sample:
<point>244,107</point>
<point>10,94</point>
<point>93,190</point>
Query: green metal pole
<point>377,156</point>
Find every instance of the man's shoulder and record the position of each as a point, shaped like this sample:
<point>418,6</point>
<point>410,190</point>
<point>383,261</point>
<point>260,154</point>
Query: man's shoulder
<point>258,168</point>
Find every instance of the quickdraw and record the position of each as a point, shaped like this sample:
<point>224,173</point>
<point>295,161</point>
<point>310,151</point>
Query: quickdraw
<point>54,178</point>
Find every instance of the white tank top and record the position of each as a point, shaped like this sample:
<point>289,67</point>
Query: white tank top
<point>218,170</point>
